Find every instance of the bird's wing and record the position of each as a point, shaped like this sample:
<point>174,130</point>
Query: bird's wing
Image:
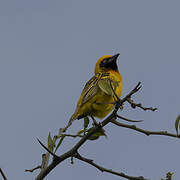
<point>90,89</point>
<point>108,86</point>
<point>101,82</point>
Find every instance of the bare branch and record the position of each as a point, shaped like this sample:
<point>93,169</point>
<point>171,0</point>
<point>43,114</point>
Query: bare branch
<point>33,169</point>
<point>66,155</point>
<point>73,135</point>
<point>120,102</point>
<point>58,159</point>
<point>102,169</point>
<point>136,89</point>
<point>129,120</point>
<point>134,105</point>
<point>3,175</point>
<point>54,155</point>
<point>146,132</point>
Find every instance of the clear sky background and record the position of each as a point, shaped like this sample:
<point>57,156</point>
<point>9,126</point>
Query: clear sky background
<point>48,50</point>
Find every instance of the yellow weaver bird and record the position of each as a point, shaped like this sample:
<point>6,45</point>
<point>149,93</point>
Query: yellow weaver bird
<point>99,94</point>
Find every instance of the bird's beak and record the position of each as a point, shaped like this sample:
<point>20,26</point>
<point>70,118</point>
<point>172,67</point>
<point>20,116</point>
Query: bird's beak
<point>114,58</point>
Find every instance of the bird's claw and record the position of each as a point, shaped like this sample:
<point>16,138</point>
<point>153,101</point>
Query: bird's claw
<point>97,124</point>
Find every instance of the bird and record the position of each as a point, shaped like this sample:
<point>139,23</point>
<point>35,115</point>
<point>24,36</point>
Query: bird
<point>101,92</point>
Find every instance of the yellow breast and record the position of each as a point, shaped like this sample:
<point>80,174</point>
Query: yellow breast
<point>104,103</point>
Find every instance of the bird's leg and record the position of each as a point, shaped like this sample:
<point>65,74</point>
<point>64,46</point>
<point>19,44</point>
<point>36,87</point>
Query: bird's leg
<point>115,102</point>
<point>95,122</point>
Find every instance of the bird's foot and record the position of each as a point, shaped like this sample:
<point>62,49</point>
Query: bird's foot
<point>95,123</point>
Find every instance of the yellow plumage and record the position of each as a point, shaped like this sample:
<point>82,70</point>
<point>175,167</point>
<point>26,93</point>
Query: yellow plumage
<point>97,98</point>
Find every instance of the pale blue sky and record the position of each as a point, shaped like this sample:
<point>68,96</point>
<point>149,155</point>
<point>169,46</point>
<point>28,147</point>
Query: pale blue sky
<point>48,50</point>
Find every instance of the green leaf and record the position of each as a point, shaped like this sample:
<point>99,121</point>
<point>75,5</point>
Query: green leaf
<point>60,141</point>
<point>177,124</point>
<point>55,139</point>
<point>86,122</point>
<point>97,134</point>
<point>50,143</point>
<point>81,131</point>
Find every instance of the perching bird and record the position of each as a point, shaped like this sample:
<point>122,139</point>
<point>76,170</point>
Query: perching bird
<point>98,98</point>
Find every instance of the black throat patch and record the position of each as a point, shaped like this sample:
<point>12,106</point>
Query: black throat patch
<point>109,64</point>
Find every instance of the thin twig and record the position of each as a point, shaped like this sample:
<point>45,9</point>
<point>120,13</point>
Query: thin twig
<point>74,150</point>
<point>102,169</point>
<point>129,120</point>
<point>54,155</point>
<point>3,175</point>
<point>136,89</point>
<point>73,135</point>
<point>134,105</point>
<point>67,154</point>
<point>146,132</point>
<point>33,169</point>
<point>120,102</point>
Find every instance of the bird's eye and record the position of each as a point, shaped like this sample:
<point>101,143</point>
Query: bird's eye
<point>105,60</point>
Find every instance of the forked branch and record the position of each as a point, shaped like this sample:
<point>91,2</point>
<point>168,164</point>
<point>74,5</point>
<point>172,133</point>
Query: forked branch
<point>102,169</point>
<point>73,152</point>
<point>146,132</point>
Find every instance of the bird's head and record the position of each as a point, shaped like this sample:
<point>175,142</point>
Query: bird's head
<point>106,63</point>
